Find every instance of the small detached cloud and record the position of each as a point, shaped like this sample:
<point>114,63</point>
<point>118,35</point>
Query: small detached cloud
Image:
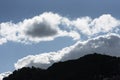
<point>48,26</point>
<point>107,44</point>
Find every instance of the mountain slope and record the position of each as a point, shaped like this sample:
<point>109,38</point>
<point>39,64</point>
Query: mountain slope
<point>89,67</point>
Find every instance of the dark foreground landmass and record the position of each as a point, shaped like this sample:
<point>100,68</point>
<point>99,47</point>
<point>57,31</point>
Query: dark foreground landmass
<point>89,67</point>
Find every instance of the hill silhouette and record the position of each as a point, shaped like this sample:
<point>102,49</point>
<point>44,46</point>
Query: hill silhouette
<point>89,67</point>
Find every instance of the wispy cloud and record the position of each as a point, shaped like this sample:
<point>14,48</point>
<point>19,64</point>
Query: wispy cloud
<point>48,26</point>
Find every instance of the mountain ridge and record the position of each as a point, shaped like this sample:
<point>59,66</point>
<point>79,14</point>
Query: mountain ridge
<point>89,67</point>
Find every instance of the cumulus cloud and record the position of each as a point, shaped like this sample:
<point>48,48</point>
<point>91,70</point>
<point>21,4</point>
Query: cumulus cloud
<point>103,24</point>
<point>5,74</point>
<point>44,27</point>
<point>41,30</point>
<point>107,44</point>
<point>48,26</point>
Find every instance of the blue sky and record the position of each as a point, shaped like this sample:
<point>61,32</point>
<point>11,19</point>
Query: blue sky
<point>18,10</point>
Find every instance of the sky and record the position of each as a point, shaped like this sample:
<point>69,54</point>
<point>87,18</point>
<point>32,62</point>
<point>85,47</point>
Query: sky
<point>41,32</point>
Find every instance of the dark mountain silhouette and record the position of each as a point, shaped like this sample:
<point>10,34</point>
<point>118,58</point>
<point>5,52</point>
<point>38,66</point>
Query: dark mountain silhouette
<point>89,67</point>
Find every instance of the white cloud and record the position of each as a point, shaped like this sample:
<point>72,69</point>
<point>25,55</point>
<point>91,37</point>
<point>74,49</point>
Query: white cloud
<point>107,44</point>
<point>44,27</point>
<point>104,23</point>
<point>82,24</point>
<point>48,26</point>
<point>5,74</point>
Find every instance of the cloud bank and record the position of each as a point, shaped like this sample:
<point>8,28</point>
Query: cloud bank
<point>48,26</point>
<point>107,44</point>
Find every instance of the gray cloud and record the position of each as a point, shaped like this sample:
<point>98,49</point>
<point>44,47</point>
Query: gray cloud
<point>41,30</point>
